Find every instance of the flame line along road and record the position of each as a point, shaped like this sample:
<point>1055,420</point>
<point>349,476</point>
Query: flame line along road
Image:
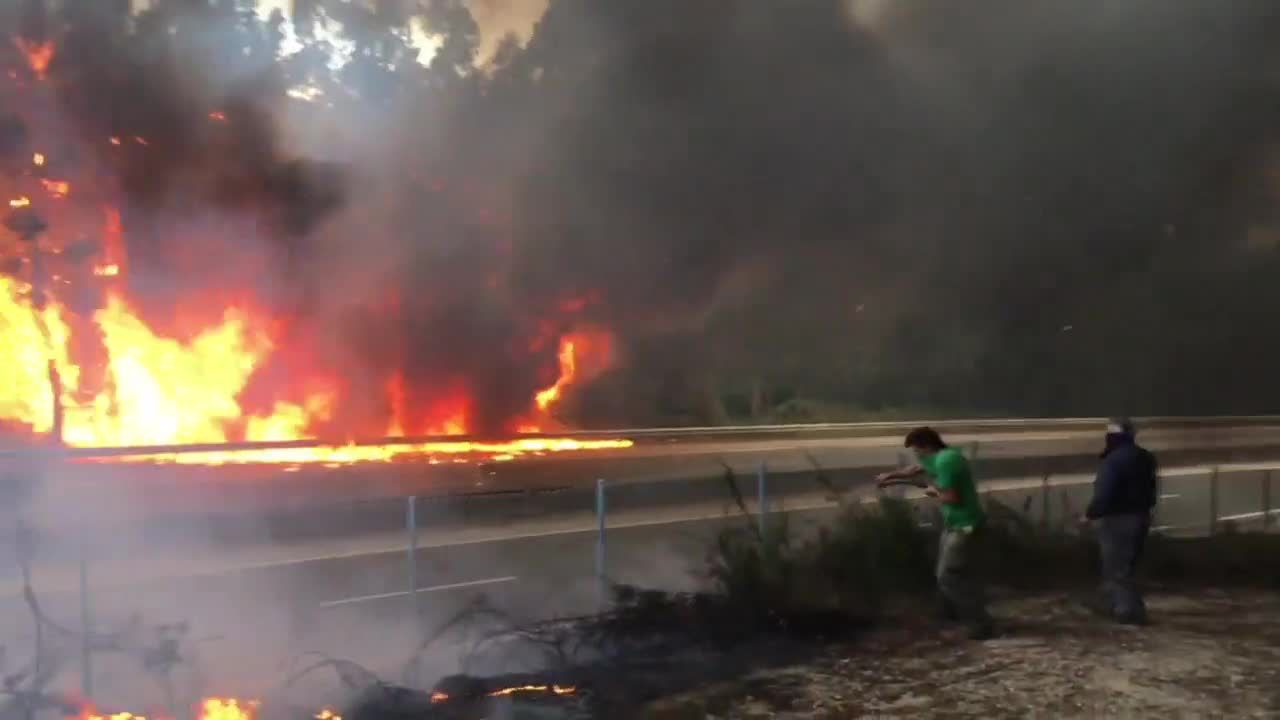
<point>136,491</point>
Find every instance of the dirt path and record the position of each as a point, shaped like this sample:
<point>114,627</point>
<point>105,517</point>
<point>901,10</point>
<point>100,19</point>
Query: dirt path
<point>1213,655</point>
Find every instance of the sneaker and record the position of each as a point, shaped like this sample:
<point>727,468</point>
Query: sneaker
<point>982,631</point>
<point>1138,619</point>
<point>1098,606</point>
<point>947,612</point>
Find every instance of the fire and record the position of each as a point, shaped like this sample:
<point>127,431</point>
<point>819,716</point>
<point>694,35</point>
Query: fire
<point>39,55</point>
<point>90,714</point>
<point>554,689</point>
<point>228,709</point>
<point>441,697</point>
<point>57,188</point>
<point>327,714</point>
<point>87,365</point>
<point>208,709</point>
<point>583,355</point>
<point>568,370</point>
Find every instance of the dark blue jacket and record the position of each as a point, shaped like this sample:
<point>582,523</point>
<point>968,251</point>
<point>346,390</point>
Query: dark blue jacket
<point>1126,482</point>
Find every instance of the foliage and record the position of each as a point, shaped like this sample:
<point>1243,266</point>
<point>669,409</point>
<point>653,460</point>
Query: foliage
<point>854,567</point>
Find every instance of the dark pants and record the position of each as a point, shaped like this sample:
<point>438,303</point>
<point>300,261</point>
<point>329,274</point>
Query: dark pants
<point>958,581</point>
<point>1120,540</point>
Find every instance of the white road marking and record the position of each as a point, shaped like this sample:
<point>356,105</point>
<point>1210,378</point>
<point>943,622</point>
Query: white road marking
<point>434,588</point>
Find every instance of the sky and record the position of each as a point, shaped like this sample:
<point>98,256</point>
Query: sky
<point>496,18</point>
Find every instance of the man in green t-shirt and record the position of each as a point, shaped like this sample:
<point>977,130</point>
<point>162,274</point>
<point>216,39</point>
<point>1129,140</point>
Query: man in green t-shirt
<point>950,480</point>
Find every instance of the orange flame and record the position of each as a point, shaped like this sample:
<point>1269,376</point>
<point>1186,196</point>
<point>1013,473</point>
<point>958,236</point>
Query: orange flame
<point>568,371</point>
<point>145,387</point>
<point>554,689</point>
<point>90,714</point>
<point>39,55</point>
<point>439,697</point>
<point>228,709</point>
<point>583,355</point>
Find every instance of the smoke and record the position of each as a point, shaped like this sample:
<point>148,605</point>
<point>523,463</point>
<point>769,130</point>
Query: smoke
<point>998,208</point>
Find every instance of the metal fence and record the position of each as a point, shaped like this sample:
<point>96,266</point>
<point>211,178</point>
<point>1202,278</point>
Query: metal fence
<point>1194,499</point>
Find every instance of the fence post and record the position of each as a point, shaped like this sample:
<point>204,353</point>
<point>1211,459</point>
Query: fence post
<point>86,627</point>
<point>1213,501</point>
<point>1044,501</point>
<point>411,526</point>
<point>602,587</point>
<point>900,491</point>
<point>1266,500</point>
<point>413,671</point>
<point>762,497</point>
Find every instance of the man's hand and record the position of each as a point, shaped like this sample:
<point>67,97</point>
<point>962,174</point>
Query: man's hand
<point>887,479</point>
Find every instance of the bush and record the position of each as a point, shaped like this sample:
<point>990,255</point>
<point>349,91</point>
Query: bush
<point>869,555</point>
<point>876,556</point>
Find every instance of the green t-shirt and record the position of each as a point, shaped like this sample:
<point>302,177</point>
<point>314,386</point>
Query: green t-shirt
<point>950,471</point>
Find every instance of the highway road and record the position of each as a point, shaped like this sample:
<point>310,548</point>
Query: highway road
<point>255,503</point>
<point>327,568</point>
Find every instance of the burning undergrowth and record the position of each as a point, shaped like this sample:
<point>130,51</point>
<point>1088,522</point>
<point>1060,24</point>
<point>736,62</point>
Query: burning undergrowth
<point>165,278</point>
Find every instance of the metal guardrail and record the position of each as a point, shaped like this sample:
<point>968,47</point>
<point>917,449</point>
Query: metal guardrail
<point>861,429</point>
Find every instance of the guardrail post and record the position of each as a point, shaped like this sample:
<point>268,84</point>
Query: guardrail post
<point>762,498</point>
<point>602,585</point>
<point>86,627</point>
<point>1266,500</point>
<point>1213,501</point>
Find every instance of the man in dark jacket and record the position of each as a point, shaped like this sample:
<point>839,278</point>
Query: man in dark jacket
<point>1124,495</point>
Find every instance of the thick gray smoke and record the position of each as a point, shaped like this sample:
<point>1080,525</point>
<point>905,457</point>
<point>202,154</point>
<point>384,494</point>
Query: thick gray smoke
<point>1008,206</point>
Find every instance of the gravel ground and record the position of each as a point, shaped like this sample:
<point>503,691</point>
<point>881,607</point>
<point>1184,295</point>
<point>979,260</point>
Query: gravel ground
<point>1207,655</point>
